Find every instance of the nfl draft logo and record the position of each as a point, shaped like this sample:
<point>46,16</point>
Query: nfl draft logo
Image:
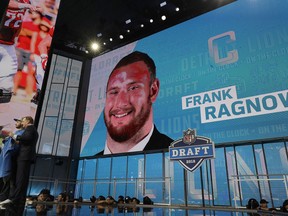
<point>191,150</point>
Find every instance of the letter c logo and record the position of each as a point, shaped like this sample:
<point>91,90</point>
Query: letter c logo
<point>232,56</point>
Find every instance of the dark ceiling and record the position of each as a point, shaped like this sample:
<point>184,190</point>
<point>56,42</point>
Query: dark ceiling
<point>81,22</point>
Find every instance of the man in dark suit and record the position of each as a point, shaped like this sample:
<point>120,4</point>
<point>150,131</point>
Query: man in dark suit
<point>27,152</point>
<point>131,90</point>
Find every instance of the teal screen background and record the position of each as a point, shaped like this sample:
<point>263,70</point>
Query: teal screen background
<point>251,40</point>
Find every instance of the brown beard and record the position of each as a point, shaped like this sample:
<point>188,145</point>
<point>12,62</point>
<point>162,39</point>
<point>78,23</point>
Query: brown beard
<point>19,126</point>
<point>126,132</point>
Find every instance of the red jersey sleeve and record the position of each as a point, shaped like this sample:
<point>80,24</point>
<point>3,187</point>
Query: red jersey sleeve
<point>51,31</point>
<point>10,26</point>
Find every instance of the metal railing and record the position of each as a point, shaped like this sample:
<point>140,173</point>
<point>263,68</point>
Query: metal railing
<point>140,186</point>
<point>254,186</point>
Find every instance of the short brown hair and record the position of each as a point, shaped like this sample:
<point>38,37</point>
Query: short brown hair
<point>29,119</point>
<point>135,57</point>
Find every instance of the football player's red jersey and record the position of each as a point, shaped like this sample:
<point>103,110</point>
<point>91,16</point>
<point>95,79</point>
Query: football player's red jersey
<point>11,25</point>
<point>51,31</point>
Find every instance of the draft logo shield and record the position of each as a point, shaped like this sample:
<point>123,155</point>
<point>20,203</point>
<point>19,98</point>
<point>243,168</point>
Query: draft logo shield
<point>191,150</point>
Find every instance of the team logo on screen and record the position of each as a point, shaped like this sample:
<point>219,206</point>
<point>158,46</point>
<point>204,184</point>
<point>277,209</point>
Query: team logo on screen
<point>215,48</point>
<point>191,150</point>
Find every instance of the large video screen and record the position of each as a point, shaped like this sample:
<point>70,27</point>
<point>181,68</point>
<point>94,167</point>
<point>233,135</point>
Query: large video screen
<point>26,33</point>
<point>223,73</point>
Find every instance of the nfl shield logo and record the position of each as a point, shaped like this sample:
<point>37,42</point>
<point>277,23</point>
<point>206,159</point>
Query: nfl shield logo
<point>189,136</point>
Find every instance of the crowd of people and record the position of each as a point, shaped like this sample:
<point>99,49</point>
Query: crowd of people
<point>263,205</point>
<point>43,202</point>
<point>18,152</point>
<point>64,204</point>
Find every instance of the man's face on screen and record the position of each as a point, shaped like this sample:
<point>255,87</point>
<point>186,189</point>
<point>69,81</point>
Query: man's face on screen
<point>129,101</point>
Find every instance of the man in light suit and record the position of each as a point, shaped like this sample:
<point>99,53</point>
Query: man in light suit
<point>7,162</point>
<point>27,153</point>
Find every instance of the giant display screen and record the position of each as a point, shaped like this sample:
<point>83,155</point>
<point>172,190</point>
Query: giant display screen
<point>223,73</point>
<point>26,32</point>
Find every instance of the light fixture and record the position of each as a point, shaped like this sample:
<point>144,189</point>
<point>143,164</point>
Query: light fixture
<point>163,4</point>
<point>95,46</point>
<point>177,9</point>
<point>128,21</point>
<point>99,34</point>
<point>121,36</point>
<point>151,20</point>
<point>142,25</point>
<point>111,39</point>
<point>163,17</point>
